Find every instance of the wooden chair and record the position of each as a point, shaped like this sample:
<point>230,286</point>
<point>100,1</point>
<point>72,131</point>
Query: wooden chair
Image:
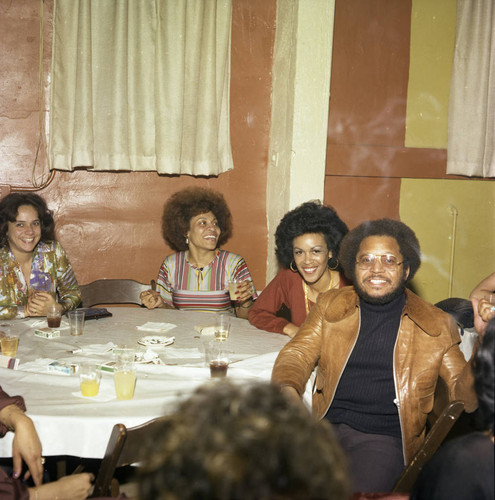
<point>125,447</point>
<point>113,291</point>
<point>433,440</point>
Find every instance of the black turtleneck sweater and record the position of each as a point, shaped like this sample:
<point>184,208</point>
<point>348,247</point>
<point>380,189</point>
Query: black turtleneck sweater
<point>365,395</point>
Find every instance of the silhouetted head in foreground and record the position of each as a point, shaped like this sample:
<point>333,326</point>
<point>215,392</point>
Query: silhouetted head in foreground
<point>243,442</point>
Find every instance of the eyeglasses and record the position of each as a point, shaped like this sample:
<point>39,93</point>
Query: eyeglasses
<point>367,261</point>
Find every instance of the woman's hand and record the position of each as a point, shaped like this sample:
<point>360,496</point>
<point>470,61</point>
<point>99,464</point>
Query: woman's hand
<point>243,298</point>
<point>244,291</point>
<point>75,487</point>
<point>25,445</point>
<point>151,299</point>
<point>38,302</point>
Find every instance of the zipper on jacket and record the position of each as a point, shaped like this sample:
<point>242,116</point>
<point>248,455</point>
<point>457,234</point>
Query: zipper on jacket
<point>397,400</point>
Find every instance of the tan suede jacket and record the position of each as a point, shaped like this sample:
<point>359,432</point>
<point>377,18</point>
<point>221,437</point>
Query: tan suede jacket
<point>426,348</point>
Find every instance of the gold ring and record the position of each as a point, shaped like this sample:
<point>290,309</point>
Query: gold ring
<point>42,460</point>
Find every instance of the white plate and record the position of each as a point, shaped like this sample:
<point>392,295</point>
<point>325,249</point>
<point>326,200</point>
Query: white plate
<point>156,341</point>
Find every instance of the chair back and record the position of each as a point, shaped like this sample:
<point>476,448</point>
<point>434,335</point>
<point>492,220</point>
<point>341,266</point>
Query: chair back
<point>434,438</point>
<point>113,291</point>
<point>125,447</point>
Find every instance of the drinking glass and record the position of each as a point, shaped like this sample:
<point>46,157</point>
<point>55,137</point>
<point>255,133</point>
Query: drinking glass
<point>76,322</point>
<point>222,326</point>
<point>233,288</point>
<point>124,374</point>
<point>54,315</point>
<point>216,358</point>
<point>9,345</point>
<point>89,378</point>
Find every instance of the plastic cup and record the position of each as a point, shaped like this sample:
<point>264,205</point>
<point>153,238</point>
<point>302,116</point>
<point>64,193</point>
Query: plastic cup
<point>216,358</point>
<point>218,368</point>
<point>76,322</point>
<point>89,379</point>
<point>124,355</point>
<point>222,327</point>
<point>53,315</point>
<point>233,288</point>
<point>124,378</point>
<point>9,345</point>
<point>124,374</point>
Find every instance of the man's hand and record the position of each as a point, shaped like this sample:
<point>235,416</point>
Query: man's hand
<point>483,311</point>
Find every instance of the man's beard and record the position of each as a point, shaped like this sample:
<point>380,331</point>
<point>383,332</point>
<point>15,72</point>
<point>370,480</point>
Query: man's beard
<point>383,299</point>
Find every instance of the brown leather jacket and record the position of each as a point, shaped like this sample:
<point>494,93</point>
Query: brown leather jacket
<point>426,348</point>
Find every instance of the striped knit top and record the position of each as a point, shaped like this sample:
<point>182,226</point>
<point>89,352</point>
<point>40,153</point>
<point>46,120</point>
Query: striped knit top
<point>185,286</point>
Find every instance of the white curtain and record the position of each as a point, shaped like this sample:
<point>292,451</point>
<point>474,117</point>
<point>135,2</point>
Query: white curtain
<point>471,129</point>
<point>141,85</point>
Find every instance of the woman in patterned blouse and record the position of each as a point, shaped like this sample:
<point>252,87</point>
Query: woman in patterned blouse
<point>195,223</point>
<point>35,271</point>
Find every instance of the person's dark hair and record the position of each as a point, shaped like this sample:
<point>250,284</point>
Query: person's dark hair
<point>310,217</point>
<point>231,441</point>
<point>9,206</point>
<point>404,235</point>
<point>484,377</point>
<point>460,309</point>
<point>185,204</point>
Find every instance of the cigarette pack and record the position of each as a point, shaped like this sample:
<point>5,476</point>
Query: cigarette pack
<point>8,362</point>
<point>65,368</point>
<point>47,333</point>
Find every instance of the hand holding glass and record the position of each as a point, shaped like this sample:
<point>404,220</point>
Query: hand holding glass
<point>234,286</point>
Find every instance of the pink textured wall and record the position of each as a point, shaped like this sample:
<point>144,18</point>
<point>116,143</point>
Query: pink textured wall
<point>109,223</point>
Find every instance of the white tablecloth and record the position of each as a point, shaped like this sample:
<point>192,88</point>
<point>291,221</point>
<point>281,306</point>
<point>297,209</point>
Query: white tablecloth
<point>69,424</point>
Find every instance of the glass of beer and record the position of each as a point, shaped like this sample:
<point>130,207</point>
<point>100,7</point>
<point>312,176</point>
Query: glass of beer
<point>233,288</point>
<point>222,326</point>
<point>9,345</point>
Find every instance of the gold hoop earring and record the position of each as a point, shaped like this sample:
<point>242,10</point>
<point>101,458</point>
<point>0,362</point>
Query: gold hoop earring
<point>291,268</point>
<point>335,266</point>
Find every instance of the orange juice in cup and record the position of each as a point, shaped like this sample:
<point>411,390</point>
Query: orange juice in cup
<point>125,383</point>
<point>89,379</point>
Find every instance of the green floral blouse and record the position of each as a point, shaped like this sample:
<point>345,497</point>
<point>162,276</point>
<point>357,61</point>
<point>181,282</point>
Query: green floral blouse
<point>50,272</point>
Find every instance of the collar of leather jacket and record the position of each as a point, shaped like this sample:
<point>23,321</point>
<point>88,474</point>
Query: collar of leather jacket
<point>339,304</point>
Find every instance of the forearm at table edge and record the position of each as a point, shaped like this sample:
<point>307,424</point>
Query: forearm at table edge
<point>266,320</point>
<point>6,404</point>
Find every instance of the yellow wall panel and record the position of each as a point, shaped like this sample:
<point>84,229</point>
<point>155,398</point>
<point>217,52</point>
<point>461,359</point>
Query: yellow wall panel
<point>454,221</point>
<point>432,45</point>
